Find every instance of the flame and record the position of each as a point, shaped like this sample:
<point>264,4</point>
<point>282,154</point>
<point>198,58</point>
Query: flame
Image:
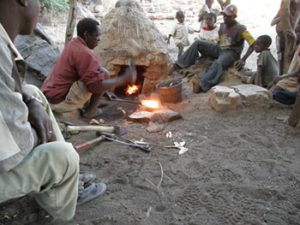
<point>131,89</point>
<point>151,104</point>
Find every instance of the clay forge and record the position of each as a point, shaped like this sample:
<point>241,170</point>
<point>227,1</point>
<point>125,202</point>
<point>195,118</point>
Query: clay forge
<point>126,34</point>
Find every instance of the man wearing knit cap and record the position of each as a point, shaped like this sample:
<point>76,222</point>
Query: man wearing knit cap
<point>227,51</point>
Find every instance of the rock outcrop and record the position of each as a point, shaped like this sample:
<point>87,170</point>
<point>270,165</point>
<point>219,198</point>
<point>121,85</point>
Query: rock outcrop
<point>39,53</point>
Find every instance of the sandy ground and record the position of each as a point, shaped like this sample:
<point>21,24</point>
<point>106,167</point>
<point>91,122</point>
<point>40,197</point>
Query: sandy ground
<point>241,168</point>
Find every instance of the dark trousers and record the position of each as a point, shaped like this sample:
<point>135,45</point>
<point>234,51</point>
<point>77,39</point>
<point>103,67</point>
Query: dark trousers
<point>223,58</point>
<point>284,97</point>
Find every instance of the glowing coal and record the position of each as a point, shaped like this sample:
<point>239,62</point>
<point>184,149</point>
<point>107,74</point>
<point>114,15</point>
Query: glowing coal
<point>151,103</point>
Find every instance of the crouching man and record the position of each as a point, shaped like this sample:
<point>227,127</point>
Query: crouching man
<point>78,80</point>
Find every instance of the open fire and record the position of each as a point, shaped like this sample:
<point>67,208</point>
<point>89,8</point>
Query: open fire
<point>150,103</point>
<point>132,89</point>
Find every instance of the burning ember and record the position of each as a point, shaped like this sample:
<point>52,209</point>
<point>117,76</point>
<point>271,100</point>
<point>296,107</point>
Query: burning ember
<point>132,89</point>
<point>151,104</point>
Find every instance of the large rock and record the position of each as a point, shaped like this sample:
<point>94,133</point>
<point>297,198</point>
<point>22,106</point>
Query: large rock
<point>127,33</point>
<point>223,98</point>
<point>39,54</point>
<point>253,95</point>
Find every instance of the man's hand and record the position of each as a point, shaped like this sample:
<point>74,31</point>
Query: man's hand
<point>239,64</point>
<point>41,122</point>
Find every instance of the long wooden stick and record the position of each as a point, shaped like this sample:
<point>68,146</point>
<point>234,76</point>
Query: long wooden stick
<point>71,21</point>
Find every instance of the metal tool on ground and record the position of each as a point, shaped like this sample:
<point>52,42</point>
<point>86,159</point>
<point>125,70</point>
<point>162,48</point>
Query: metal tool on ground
<point>80,148</point>
<point>113,97</point>
<point>144,146</point>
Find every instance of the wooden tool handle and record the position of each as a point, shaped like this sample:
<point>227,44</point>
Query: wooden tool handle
<point>109,129</point>
<point>80,148</point>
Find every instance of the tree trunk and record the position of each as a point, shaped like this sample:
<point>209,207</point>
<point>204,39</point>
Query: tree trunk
<point>71,20</point>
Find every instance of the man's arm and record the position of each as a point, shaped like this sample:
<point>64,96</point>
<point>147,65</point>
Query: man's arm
<point>251,41</point>
<point>39,119</point>
<point>288,75</point>
<point>241,63</point>
<point>248,53</point>
<point>258,77</point>
<point>129,76</point>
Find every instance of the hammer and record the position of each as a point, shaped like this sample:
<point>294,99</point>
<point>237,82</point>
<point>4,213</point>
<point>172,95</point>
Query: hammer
<point>80,148</point>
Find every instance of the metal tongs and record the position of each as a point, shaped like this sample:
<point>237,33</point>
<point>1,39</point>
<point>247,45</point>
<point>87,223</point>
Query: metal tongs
<point>144,146</point>
<point>113,97</point>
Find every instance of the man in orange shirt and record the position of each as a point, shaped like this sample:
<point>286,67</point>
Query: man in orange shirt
<point>78,80</point>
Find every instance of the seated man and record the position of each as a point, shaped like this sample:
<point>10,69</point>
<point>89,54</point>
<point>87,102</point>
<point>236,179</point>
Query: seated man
<point>78,80</point>
<point>286,87</point>
<point>228,50</point>
<point>34,158</point>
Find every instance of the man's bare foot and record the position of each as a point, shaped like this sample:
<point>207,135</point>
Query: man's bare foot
<point>196,85</point>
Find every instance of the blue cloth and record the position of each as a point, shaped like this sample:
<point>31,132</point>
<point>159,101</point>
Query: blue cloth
<point>284,97</point>
<point>205,48</point>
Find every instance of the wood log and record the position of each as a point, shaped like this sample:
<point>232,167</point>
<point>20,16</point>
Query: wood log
<point>71,21</point>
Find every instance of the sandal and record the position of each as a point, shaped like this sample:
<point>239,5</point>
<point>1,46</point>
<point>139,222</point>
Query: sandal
<point>91,192</point>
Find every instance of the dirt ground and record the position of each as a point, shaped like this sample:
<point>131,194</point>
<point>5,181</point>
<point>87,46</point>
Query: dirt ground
<point>241,168</point>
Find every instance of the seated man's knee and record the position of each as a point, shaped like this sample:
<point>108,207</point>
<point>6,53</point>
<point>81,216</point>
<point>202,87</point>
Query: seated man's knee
<point>63,152</point>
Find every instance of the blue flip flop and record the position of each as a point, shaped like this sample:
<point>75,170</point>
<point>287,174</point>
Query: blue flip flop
<point>86,178</point>
<point>91,192</point>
